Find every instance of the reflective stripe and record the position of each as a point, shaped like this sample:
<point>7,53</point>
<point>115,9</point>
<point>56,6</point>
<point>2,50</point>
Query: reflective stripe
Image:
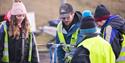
<point>123,49</point>
<point>30,49</point>
<point>120,59</point>
<point>5,57</point>
<point>108,33</point>
<point>5,53</point>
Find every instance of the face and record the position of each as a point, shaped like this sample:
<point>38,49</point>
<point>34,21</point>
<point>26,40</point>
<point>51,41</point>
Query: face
<point>68,20</point>
<point>20,18</point>
<point>100,23</point>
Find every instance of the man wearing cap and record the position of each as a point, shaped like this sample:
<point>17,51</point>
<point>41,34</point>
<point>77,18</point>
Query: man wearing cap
<point>92,48</point>
<point>112,29</point>
<point>67,29</point>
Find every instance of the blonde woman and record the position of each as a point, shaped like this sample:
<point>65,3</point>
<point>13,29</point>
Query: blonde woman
<point>17,43</point>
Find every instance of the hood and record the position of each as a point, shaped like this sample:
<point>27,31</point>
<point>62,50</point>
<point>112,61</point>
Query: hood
<point>77,16</point>
<point>118,23</point>
<point>82,37</point>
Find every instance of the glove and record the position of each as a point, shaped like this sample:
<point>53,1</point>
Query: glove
<point>68,56</point>
<point>68,59</point>
<point>67,48</point>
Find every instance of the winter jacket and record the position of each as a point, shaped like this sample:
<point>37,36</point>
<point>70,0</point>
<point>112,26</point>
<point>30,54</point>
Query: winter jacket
<point>112,32</point>
<point>67,36</point>
<point>15,48</point>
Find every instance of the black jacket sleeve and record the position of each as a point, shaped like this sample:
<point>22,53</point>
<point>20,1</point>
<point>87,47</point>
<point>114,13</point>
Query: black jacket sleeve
<point>35,55</point>
<point>81,55</point>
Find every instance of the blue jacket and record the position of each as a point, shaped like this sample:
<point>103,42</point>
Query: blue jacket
<point>71,30</point>
<point>15,49</point>
<point>111,31</point>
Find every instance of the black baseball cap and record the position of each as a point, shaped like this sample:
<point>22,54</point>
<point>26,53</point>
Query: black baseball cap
<point>65,9</point>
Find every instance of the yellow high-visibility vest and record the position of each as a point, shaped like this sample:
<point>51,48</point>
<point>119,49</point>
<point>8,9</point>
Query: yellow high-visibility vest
<point>61,36</point>
<point>100,50</point>
<point>5,57</point>
<point>121,58</point>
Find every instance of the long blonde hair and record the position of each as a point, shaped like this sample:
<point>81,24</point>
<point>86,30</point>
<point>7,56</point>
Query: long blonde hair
<point>14,29</point>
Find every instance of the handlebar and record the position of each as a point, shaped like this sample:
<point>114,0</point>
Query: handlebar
<point>57,45</point>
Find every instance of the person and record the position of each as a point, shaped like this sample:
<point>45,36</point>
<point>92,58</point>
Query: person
<point>85,13</point>
<point>112,29</point>
<point>17,42</point>
<point>67,29</point>
<point>92,48</point>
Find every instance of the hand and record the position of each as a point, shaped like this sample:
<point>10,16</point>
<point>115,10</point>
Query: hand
<point>68,59</point>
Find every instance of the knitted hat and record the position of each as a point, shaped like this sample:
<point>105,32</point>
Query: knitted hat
<point>88,25</point>
<point>65,9</point>
<point>86,13</point>
<point>18,8</point>
<point>101,13</point>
